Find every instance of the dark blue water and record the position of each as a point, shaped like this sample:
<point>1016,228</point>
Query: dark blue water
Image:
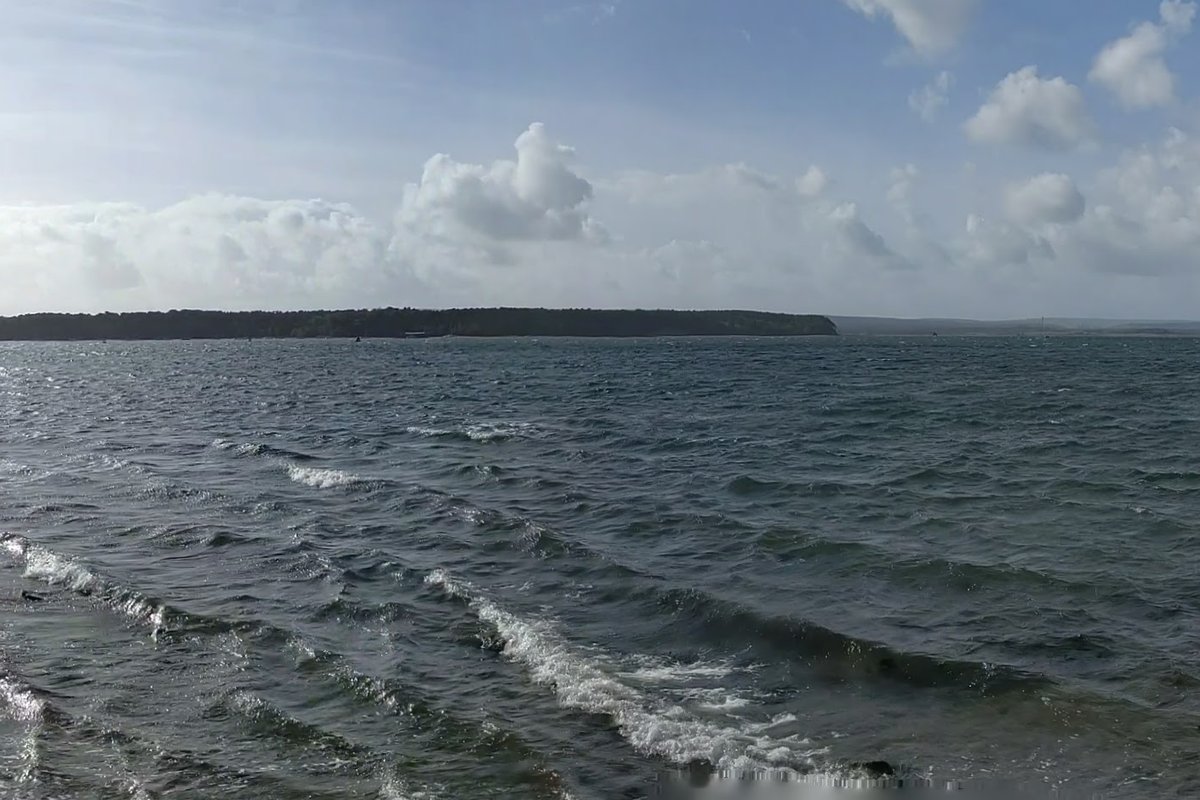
<point>551,569</point>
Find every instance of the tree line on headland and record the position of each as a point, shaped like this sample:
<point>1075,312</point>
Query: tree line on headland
<point>409,322</point>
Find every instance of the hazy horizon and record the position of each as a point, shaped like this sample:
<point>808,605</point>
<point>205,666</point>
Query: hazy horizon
<point>911,159</point>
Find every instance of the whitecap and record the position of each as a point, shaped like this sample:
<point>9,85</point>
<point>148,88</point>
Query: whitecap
<point>321,478</point>
<point>19,701</point>
<point>718,700</point>
<point>239,448</point>
<point>659,671</point>
<point>499,431</point>
<point>431,433</point>
<point>480,431</point>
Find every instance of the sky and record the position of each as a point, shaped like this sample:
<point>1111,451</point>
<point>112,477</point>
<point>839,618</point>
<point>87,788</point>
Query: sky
<point>966,158</point>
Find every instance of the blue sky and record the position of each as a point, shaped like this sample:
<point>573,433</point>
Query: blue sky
<point>898,157</point>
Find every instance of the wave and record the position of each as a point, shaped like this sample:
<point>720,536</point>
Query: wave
<point>532,536</point>
<point>423,718</point>
<point>258,449</point>
<point>166,491</point>
<point>834,655</point>
<point>164,619</point>
<point>20,702</point>
<point>267,718</point>
<point>653,728</point>
<point>10,467</point>
<point>944,573</point>
<point>320,478</point>
<point>749,486</point>
<point>377,693</point>
<point>58,570</point>
<point>480,432</point>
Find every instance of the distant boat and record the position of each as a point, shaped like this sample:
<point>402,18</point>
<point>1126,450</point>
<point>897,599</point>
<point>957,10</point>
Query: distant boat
<point>358,338</point>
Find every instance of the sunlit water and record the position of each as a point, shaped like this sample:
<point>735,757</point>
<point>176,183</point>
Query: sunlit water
<point>551,569</point>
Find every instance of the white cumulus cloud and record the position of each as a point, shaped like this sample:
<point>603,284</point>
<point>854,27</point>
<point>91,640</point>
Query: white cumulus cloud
<point>929,26</point>
<point>1133,68</point>
<point>1045,198</point>
<point>536,197</point>
<point>1026,109</point>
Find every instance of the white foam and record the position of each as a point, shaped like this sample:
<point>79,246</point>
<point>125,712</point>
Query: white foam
<point>658,671</point>
<point>55,569</point>
<point>719,700</point>
<point>321,478</point>
<point>19,701</point>
<point>393,788</point>
<point>652,727</point>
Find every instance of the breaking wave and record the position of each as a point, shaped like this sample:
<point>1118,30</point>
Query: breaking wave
<point>651,726</point>
<point>59,570</point>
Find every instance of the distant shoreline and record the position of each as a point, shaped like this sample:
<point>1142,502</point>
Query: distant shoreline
<point>1049,326</point>
<point>408,323</point>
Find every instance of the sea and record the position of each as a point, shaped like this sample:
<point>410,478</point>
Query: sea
<point>593,569</point>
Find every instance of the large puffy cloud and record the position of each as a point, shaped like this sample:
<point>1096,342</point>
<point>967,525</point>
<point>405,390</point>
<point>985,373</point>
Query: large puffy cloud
<point>536,197</point>
<point>1026,109</point>
<point>1133,68</point>
<point>460,220</point>
<point>930,26</point>
<point>1045,198</point>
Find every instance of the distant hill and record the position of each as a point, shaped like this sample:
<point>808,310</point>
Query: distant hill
<point>409,322</point>
<point>1062,326</point>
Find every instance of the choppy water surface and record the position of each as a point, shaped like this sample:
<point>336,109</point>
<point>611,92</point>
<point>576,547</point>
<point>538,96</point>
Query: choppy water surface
<point>551,569</point>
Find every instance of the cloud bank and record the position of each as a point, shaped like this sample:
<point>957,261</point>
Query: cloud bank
<point>536,229</point>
